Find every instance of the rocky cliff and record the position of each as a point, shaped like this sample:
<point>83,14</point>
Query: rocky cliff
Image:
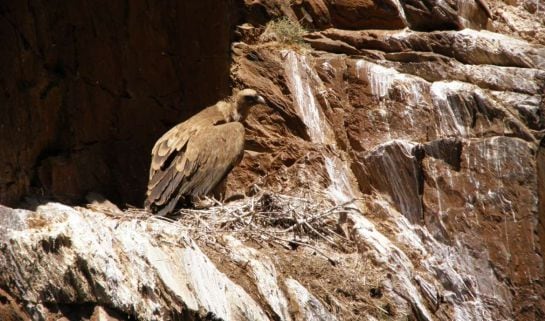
<point>396,173</point>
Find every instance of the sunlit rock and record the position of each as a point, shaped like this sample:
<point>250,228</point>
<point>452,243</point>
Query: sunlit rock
<point>417,127</point>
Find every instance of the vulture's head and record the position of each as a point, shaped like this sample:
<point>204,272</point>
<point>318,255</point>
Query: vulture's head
<point>245,99</point>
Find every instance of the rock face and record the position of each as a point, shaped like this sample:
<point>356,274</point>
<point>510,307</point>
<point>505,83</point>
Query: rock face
<point>134,265</point>
<point>432,123</point>
<point>86,91</point>
<point>445,147</point>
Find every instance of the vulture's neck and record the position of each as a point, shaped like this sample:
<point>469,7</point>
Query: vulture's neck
<point>229,111</point>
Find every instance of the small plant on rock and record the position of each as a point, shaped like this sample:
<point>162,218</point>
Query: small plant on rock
<point>284,31</point>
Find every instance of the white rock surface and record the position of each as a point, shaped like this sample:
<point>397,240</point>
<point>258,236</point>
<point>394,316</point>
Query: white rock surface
<point>147,268</point>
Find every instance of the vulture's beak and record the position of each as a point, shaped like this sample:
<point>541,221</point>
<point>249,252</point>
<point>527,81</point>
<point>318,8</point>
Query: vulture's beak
<point>261,100</point>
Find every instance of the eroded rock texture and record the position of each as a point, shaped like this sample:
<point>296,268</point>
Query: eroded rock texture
<point>88,88</point>
<point>436,137</point>
<point>145,269</point>
<point>430,114</point>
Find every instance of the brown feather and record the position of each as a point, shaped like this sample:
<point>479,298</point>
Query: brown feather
<point>211,156</point>
<point>193,157</point>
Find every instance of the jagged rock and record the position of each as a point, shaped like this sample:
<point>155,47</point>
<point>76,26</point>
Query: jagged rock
<point>457,123</point>
<point>393,169</point>
<point>438,135</point>
<point>144,268</point>
<point>468,46</point>
<point>363,14</point>
<point>441,15</point>
<point>391,14</point>
<point>520,19</point>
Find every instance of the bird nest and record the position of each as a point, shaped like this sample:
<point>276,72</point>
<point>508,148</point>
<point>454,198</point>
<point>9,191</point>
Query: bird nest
<point>310,224</point>
<point>290,221</point>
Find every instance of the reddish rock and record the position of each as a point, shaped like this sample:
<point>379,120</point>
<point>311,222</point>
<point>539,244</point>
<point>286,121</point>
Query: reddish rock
<point>393,169</point>
<point>452,151</point>
<point>363,14</point>
<point>444,15</point>
<point>439,135</point>
<point>97,85</point>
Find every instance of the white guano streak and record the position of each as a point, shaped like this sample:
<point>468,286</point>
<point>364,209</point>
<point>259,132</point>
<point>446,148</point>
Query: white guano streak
<point>300,76</point>
<point>297,70</point>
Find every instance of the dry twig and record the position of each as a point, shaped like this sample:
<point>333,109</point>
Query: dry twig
<point>277,218</point>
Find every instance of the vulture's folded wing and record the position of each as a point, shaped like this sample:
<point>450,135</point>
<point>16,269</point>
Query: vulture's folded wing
<point>194,165</point>
<point>174,141</point>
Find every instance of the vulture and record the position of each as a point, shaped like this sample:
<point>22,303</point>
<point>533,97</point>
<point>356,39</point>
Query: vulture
<point>195,156</point>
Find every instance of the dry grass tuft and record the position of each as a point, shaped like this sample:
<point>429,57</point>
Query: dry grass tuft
<point>285,31</point>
